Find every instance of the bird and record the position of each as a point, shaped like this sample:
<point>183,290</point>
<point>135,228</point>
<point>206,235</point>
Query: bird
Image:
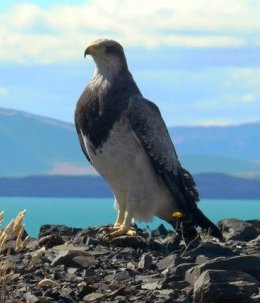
<point>125,138</point>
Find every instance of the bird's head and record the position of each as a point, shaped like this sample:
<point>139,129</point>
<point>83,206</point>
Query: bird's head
<point>109,57</point>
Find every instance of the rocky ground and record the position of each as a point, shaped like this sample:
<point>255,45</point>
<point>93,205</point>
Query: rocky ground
<point>76,265</point>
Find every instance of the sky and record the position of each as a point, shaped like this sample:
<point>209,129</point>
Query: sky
<point>199,61</point>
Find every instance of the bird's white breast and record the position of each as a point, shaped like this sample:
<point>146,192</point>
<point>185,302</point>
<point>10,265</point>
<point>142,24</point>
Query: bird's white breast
<point>125,165</point>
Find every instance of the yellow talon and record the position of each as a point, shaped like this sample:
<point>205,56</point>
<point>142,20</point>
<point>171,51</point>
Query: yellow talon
<point>131,233</point>
<point>177,214</point>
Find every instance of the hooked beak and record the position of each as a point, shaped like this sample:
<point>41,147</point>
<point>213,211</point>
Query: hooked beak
<point>87,52</point>
<point>90,50</point>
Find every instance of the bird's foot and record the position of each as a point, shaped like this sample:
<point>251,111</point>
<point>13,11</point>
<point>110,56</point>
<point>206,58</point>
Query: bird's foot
<point>109,229</point>
<point>120,231</point>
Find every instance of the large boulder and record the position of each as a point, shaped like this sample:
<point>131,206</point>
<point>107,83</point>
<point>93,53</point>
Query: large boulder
<point>247,264</point>
<point>217,286</point>
<point>60,230</point>
<point>211,250</point>
<point>73,258</point>
<point>234,229</point>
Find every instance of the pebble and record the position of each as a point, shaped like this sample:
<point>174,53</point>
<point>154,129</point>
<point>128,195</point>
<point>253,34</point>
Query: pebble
<point>152,266</point>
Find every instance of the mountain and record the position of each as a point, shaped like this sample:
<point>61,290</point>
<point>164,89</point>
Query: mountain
<point>236,141</point>
<point>32,144</point>
<point>210,186</point>
<point>227,149</point>
<point>35,145</point>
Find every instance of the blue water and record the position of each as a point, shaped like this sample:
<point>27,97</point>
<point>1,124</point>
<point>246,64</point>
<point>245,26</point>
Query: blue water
<point>94,212</point>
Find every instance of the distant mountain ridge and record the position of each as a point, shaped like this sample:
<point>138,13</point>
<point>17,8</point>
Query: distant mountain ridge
<point>36,145</point>
<point>210,186</point>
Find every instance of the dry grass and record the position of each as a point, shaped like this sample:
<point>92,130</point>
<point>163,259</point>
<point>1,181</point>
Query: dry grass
<point>201,239</point>
<point>11,241</point>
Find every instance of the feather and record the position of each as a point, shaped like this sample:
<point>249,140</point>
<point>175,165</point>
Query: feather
<point>149,127</point>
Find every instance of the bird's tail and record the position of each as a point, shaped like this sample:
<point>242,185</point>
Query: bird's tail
<point>186,226</point>
<point>190,216</point>
<point>195,216</point>
<point>201,220</point>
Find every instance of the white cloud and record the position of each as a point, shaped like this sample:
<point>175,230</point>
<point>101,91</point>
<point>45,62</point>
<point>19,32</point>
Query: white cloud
<point>214,122</point>
<point>72,169</point>
<point>3,91</point>
<point>248,98</point>
<point>247,76</point>
<point>60,32</point>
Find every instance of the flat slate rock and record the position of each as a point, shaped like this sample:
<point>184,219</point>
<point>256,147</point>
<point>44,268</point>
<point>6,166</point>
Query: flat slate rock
<point>31,298</point>
<point>238,230</point>
<point>246,264</point>
<point>126,241</point>
<point>70,258</point>
<point>93,297</point>
<point>168,262</point>
<point>181,269</point>
<point>154,266</point>
<point>60,230</point>
<point>51,240</point>
<point>145,261</point>
<point>211,250</point>
<point>224,286</point>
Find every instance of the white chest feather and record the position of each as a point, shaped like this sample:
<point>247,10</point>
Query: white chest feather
<point>127,168</point>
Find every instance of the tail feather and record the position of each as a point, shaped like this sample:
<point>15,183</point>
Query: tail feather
<point>202,221</point>
<point>193,217</point>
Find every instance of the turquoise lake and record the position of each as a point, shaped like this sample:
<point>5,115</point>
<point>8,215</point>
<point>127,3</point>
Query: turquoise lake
<point>94,212</point>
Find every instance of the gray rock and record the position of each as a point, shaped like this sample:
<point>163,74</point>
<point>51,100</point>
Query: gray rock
<point>98,252</point>
<point>122,276</point>
<point>51,240</point>
<point>177,284</point>
<point>165,294</point>
<point>255,242</point>
<point>145,261</point>
<point>103,271</point>
<point>181,269</point>
<point>70,258</point>
<point>211,250</point>
<point>85,289</point>
<point>72,270</point>
<point>171,242</point>
<point>30,298</point>
<point>121,291</point>
<point>201,259</point>
<point>94,297</point>
<point>255,298</point>
<point>152,286</point>
<point>87,232</point>
<point>126,241</point>
<point>162,230</point>
<point>224,286</point>
<point>168,262</point>
<point>60,230</point>
<point>150,279</point>
<point>155,245</point>
<point>255,222</point>
<point>247,264</point>
<point>131,265</point>
<point>91,241</point>
<point>234,229</point>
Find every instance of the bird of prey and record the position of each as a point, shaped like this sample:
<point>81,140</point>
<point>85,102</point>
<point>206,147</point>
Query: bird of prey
<point>124,137</point>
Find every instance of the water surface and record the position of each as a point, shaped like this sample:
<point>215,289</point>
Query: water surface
<point>95,212</point>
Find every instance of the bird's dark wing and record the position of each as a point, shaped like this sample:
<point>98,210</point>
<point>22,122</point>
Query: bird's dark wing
<point>149,127</point>
<point>81,141</point>
<point>146,121</point>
